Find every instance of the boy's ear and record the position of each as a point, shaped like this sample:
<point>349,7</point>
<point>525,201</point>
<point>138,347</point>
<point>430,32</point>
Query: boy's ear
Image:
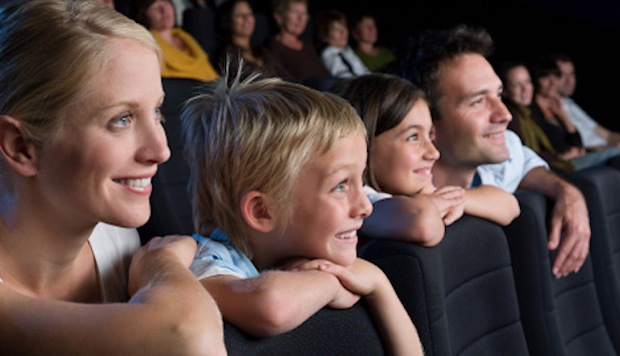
<point>16,148</point>
<point>257,212</point>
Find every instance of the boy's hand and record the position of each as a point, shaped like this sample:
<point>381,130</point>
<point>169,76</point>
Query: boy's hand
<point>450,201</point>
<point>152,258</point>
<point>358,279</point>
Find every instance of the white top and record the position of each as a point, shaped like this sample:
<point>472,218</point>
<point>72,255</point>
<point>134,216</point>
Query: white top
<point>583,123</point>
<point>334,60</point>
<point>113,248</point>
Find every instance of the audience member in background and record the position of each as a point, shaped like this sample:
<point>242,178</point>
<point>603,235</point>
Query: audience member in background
<point>548,111</point>
<point>237,23</point>
<point>400,159</point>
<point>332,37</point>
<point>79,143</point>
<point>279,226</point>
<point>470,128</point>
<point>365,34</point>
<point>183,56</point>
<point>517,95</point>
<point>593,135</point>
<point>297,59</point>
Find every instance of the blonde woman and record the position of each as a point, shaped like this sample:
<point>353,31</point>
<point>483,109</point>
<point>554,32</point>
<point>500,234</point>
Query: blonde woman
<point>80,139</point>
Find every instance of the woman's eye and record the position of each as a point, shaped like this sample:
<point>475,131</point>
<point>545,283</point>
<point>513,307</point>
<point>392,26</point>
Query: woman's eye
<point>122,121</point>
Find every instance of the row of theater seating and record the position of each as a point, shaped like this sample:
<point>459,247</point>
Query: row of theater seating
<point>484,290</point>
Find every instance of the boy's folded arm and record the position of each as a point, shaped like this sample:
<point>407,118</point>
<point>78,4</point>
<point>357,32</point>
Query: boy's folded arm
<point>274,302</point>
<point>492,203</point>
<point>415,219</point>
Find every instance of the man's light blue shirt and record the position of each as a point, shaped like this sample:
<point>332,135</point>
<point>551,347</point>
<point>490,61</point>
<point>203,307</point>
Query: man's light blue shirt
<point>508,174</point>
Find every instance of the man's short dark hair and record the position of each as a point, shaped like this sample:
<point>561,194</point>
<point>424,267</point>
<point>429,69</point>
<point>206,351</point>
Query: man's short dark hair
<point>426,52</point>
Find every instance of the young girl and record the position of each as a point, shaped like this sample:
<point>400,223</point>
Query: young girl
<point>80,140</point>
<point>400,162</point>
<point>276,182</point>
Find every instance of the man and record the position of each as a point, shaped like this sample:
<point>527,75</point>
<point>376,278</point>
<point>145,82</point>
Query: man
<point>593,135</point>
<point>470,127</point>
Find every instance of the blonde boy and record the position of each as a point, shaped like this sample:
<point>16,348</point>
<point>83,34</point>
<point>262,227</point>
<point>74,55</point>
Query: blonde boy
<point>276,184</point>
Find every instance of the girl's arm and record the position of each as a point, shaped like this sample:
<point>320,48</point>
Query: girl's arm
<point>492,203</point>
<point>170,313</point>
<point>276,301</point>
<point>414,219</point>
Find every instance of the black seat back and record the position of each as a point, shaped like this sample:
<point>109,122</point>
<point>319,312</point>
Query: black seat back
<point>560,316</point>
<point>171,211</point>
<point>460,294</point>
<point>601,189</point>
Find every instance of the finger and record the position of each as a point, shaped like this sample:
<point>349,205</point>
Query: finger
<point>312,265</point>
<point>565,258</point>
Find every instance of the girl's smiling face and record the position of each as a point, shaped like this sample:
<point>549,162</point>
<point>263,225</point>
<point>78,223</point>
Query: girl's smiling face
<point>402,157</point>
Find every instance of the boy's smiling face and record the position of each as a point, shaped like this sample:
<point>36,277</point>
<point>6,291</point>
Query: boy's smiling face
<point>330,205</point>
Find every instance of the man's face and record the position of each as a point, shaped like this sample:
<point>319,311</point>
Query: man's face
<point>568,80</point>
<point>473,119</point>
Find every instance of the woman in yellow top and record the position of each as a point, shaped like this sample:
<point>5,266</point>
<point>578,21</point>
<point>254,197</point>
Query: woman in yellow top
<point>183,56</point>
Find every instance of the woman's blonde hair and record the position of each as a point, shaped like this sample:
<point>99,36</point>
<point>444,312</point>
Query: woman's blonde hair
<point>50,52</point>
<point>256,135</point>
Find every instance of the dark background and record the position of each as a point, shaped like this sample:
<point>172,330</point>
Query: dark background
<point>587,31</point>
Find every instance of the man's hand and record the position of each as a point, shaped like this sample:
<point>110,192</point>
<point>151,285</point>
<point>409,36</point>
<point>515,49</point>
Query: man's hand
<point>569,217</point>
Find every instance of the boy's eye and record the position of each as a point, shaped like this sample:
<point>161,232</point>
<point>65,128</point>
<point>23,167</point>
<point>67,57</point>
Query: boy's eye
<point>340,186</point>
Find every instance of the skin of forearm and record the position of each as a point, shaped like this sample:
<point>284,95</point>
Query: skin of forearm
<point>492,204</point>
<point>274,302</point>
<point>397,330</point>
<point>413,219</point>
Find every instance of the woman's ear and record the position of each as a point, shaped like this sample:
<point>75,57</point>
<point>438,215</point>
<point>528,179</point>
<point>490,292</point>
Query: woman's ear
<point>16,148</point>
<point>278,18</point>
<point>256,212</point>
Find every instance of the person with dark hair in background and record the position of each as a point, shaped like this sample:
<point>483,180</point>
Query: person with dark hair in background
<point>548,111</point>
<point>476,148</point>
<point>297,59</point>
<point>237,24</point>
<point>332,37</point>
<point>183,55</point>
<point>365,34</point>
<point>593,135</point>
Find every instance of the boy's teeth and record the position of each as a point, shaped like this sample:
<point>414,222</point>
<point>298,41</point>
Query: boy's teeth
<point>346,236</point>
<point>136,183</point>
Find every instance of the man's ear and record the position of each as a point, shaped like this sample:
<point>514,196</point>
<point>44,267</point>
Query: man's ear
<point>16,148</point>
<point>257,212</point>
